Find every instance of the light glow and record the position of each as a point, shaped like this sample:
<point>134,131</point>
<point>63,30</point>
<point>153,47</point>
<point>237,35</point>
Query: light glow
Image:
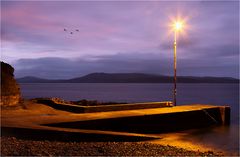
<point>178,25</point>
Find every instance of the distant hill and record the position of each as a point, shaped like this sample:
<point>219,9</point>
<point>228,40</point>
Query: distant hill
<point>130,78</point>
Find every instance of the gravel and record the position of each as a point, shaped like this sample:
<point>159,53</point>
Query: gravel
<point>11,146</point>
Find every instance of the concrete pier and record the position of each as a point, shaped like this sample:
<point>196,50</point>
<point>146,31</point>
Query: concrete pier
<point>153,120</point>
<point>138,121</point>
<point>225,112</point>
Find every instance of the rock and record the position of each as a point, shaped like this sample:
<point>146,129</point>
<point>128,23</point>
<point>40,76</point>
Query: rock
<point>59,101</point>
<point>10,91</point>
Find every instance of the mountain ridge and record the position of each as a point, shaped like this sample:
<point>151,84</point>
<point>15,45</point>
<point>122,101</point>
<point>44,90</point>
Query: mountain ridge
<point>129,78</point>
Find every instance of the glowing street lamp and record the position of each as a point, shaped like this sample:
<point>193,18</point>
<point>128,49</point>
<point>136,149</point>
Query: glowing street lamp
<point>177,27</point>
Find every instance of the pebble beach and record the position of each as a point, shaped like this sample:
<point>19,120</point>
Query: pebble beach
<point>11,146</point>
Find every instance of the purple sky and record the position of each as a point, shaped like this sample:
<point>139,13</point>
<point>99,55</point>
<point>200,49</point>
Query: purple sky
<point>119,37</point>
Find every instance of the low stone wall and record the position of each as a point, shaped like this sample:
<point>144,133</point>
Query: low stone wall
<point>61,105</point>
<point>121,107</point>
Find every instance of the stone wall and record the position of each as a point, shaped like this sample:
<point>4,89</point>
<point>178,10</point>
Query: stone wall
<point>10,91</point>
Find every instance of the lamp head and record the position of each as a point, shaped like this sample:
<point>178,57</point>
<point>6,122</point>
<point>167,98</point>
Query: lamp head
<point>178,25</point>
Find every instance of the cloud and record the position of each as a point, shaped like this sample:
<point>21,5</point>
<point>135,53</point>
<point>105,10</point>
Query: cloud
<point>65,68</point>
<point>122,63</point>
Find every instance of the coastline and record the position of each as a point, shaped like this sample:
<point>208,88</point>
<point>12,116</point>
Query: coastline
<point>34,113</point>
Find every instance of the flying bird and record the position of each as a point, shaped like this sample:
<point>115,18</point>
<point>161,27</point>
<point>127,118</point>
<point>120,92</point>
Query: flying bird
<point>71,31</point>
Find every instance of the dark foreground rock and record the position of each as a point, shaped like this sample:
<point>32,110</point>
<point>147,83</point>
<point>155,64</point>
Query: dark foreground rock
<point>10,91</point>
<point>10,146</point>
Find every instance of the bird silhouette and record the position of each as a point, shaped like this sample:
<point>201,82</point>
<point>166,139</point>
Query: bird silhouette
<point>71,31</point>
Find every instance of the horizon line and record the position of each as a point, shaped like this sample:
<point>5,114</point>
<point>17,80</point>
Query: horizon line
<point>125,73</point>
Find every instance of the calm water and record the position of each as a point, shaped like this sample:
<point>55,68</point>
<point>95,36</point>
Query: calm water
<point>225,138</point>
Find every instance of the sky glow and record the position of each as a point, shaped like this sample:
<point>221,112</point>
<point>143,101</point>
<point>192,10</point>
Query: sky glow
<point>119,37</point>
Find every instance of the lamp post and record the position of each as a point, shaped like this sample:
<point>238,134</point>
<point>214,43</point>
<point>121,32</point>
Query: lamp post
<point>177,27</point>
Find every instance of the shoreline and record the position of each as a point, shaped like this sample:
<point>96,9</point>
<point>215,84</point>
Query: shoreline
<point>34,113</point>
